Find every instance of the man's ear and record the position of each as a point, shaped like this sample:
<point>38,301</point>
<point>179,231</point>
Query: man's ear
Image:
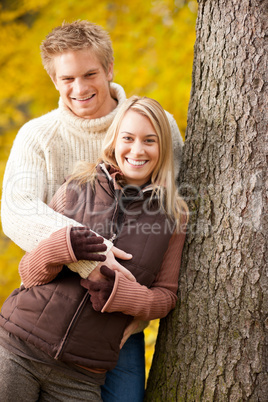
<point>53,78</point>
<point>110,73</point>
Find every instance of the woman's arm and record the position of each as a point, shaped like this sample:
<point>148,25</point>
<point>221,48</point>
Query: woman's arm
<point>72,246</point>
<point>42,264</point>
<point>148,304</point>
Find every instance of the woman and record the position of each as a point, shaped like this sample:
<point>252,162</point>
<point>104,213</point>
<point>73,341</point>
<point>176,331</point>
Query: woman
<point>62,333</point>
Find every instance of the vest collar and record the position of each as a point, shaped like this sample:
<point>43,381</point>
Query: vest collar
<point>110,174</point>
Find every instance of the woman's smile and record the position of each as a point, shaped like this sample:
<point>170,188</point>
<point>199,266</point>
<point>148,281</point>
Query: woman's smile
<point>135,162</point>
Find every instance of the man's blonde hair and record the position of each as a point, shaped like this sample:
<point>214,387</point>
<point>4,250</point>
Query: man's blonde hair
<point>75,36</point>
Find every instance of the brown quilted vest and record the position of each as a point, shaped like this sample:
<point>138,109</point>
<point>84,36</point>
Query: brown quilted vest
<point>58,317</point>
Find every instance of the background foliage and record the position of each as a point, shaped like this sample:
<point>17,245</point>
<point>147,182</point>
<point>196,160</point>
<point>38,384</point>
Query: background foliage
<point>153,49</point>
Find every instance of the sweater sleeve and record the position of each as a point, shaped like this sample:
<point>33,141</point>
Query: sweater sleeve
<point>148,304</point>
<point>26,218</point>
<point>43,264</point>
<point>82,267</point>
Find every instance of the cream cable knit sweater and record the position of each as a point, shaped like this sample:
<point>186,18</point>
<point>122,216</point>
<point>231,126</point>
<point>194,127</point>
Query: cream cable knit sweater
<point>43,155</point>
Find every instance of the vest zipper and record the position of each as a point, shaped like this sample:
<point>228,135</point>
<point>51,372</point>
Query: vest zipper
<point>64,339</point>
<point>116,211</point>
<point>114,217</point>
<point>113,237</point>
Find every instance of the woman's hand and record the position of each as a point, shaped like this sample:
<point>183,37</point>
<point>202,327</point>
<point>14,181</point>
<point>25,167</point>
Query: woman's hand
<point>100,290</point>
<point>86,244</point>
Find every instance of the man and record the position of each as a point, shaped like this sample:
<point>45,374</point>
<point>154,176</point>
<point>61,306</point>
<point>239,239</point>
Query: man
<point>79,59</point>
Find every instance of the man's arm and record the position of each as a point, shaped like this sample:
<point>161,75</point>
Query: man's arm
<point>26,219</point>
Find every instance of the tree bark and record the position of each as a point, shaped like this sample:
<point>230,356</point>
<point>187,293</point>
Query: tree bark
<point>213,346</point>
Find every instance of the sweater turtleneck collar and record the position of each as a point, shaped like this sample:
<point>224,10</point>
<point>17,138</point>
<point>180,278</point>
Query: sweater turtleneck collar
<point>94,125</point>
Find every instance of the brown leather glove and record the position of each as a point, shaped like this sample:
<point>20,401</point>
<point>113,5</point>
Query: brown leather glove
<point>100,291</point>
<point>86,244</point>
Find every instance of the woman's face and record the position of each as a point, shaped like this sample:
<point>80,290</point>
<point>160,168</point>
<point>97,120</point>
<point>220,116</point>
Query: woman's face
<point>136,148</point>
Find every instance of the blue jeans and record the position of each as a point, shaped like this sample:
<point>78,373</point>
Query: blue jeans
<point>125,383</point>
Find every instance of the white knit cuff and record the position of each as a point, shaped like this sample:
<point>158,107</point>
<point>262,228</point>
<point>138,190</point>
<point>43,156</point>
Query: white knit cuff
<point>85,267</point>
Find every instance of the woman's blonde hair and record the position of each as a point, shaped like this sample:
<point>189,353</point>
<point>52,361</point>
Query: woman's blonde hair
<point>163,178</point>
<point>75,36</point>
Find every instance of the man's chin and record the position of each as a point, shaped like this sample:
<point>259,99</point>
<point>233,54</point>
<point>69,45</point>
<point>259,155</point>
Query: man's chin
<point>84,114</point>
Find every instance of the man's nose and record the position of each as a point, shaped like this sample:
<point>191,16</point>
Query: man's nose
<point>80,86</point>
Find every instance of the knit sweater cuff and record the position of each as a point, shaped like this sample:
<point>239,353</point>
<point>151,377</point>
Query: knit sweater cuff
<point>110,306</point>
<point>123,297</point>
<point>84,267</point>
<point>44,263</point>
<point>137,300</point>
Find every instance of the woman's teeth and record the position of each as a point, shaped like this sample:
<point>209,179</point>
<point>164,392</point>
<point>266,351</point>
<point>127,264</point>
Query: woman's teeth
<point>136,163</point>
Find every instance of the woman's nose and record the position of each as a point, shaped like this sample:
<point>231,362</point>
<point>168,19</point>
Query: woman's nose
<point>137,148</point>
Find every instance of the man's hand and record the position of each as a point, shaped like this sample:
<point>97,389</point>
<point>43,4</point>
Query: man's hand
<point>121,254</point>
<point>86,245</point>
<point>115,266</point>
<point>111,263</point>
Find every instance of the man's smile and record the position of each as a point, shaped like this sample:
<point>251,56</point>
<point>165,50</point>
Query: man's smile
<point>84,98</point>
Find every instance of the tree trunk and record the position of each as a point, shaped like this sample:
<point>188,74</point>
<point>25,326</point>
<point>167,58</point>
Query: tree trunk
<point>213,346</point>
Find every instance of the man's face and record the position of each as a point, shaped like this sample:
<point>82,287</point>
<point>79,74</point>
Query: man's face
<point>83,84</point>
